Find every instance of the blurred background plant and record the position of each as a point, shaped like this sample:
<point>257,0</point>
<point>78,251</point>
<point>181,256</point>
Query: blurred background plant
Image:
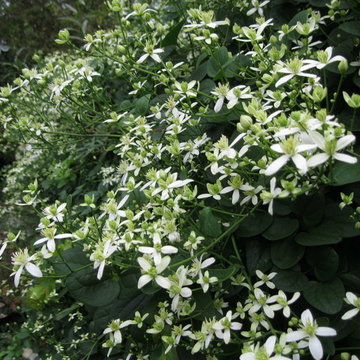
<point>30,26</point>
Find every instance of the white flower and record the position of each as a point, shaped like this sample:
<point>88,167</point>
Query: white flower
<point>114,329</point>
<point>157,249</point>
<point>150,51</point>
<point>55,212</point>
<point>235,185</point>
<point>199,264</point>
<point>309,331</point>
<point>324,57</point>
<point>283,302</point>
<point>264,352</point>
<point>205,280</point>
<point>268,197</point>
<point>49,238</point>
<point>265,279</point>
<point>295,67</point>
<point>185,88</point>
<point>153,272</point>
<point>22,259</point>
<point>355,301</point>
<point>221,91</point>
<point>99,256</point>
<point>262,302</point>
<point>257,7</point>
<point>331,147</point>
<point>251,195</point>
<point>236,93</point>
<point>213,191</point>
<point>207,20</point>
<point>223,326</point>
<point>178,286</point>
<point>291,148</point>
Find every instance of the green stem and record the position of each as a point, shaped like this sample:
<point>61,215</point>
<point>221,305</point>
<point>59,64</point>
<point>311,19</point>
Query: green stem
<point>217,240</point>
<point>353,120</point>
<point>337,93</point>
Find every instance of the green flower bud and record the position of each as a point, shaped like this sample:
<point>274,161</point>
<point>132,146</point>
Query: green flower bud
<point>64,37</point>
<point>343,66</point>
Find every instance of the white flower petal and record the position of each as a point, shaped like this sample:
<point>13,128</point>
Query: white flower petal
<point>306,317</point>
<point>318,159</point>
<point>345,141</point>
<point>351,297</point>
<point>51,245</point>
<point>186,292</point>
<point>219,104</point>
<point>146,250</point>
<point>117,337</point>
<point>143,280</point>
<point>277,148</point>
<point>325,331</point>
<point>315,348</point>
<point>207,262</point>
<point>284,79</point>
<point>33,270</point>
<point>144,263</point>
<point>179,183</point>
<point>300,163</point>
<point>17,275</point>
<point>156,57</point>
<point>235,197</point>
<point>168,249</point>
<point>295,336</point>
<point>345,158</point>
<point>165,261</point>
<point>350,314</point>
<point>270,344</point>
<point>142,58</point>
<point>63,236</point>
<point>163,282</point>
<point>276,165</point>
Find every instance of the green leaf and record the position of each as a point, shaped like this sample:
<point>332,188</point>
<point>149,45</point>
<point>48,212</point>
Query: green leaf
<point>208,223</point>
<point>344,173</point>
<point>142,105</point>
<point>172,36</point>
<point>313,211</point>
<point>122,308</point>
<point>290,280</point>
<point>281,227</point>
<point>60,315</point>
<point>85,287</point>
<point>254,224</point>
<point>204,305</point>
<point>257,255</point>
<point>326,233</point>
<point>325,296</point>
<point>286,253</point>
<point>207,86</point>
<point>325,261</point>
<point>224,274</point>
<point>200,72</point>
<point>351,27</point>
<point>218,64</point>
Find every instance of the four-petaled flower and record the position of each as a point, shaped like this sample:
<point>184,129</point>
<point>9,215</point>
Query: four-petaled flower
<point>309,331</point>
<point>352,299</point>
<point>21,260</point>
<point>150,51</point>
<point>152,272</point>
